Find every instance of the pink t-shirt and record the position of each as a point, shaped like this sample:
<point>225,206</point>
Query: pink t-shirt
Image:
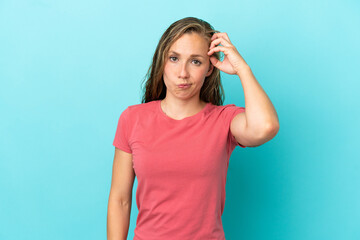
<point>181,168</point>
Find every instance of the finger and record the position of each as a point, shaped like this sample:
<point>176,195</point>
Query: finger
<point>216,62</point>
<point>218,49</point>
<point>226,37</point>
<point>221,34</point>
<point>217,41</point>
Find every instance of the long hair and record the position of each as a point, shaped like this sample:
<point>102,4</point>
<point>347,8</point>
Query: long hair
<point>155,88</point>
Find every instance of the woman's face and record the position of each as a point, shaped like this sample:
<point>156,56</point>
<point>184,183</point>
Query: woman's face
<point>187,63</point>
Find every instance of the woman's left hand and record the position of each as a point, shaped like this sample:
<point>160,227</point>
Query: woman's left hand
<point>233,62</point>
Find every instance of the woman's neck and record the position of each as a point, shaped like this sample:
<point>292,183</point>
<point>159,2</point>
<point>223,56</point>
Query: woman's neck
<point>181,109</point>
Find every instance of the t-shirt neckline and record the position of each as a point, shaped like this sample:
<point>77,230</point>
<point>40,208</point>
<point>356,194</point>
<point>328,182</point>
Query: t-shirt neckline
<point>196,115</point>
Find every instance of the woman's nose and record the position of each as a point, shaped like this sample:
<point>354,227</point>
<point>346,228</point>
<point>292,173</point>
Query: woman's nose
<point>184,73</point>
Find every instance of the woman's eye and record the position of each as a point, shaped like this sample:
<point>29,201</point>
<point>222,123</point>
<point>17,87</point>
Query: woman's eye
<point>173,58</point>
<point>197,62</point>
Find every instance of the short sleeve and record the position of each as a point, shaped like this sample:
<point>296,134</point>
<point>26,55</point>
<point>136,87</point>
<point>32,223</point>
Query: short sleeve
<point>121,139</point>
<point>230,111</point>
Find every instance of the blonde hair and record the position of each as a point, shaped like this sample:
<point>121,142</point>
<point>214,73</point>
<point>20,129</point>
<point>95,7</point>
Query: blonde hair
<point>155,89</point>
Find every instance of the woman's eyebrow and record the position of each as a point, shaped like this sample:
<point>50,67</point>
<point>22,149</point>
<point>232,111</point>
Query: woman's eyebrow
<point>192,55</point>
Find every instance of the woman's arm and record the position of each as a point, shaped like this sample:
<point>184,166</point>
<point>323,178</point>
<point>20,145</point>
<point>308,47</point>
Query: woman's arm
<point>259,123</point>
<point>119,205</point>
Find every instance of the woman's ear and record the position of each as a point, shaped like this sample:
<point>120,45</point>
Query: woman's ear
<point>211,68</point>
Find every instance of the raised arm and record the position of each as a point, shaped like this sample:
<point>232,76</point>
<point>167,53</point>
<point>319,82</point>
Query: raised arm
<point>259,123</point>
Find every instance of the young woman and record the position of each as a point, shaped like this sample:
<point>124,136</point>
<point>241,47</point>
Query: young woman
<point>178,141</point>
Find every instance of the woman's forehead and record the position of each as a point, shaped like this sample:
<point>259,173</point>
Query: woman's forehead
<point>194,43</point>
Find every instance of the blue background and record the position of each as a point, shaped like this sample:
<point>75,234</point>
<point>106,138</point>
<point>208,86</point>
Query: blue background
<point>69,68</point>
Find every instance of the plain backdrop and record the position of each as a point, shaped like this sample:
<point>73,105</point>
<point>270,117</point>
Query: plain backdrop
<point>69,68</point>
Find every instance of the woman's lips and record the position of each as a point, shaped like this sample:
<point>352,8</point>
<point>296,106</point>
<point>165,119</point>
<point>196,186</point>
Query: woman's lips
<point>184,85</point>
